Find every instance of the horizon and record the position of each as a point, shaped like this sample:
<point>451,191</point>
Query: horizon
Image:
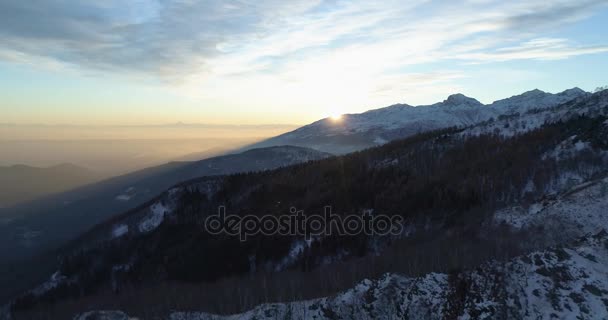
<point>135,146</point>
<point>182,124</point>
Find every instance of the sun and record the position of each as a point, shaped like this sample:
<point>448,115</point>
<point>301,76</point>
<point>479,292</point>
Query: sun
<point>336,117</point>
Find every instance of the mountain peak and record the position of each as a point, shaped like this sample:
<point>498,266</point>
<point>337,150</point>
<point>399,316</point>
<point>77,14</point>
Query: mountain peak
<point>576,91</point>
<point>535,92</point>
<point>460,99</point>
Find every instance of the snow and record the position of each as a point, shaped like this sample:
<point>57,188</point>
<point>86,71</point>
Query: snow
<point>580,211</point>
<point>103,315</point>
<point>566,282</point>
<point>568,148</point>
<point>460,99</point>
<point>123,197</point>
<point>456,111</point>
<point>536,99</point>
<point>518,115</point>
<point>296,250</point>
<point>379,140</point>
<point>530,187</point>
<point>558,283</point>
<point>561,283</point>
<point>154,218</point>
<point>127,195</point>
<point>120,230</point>
<point>55,280</point>
<point>580,146</point>
<point>507,117</point>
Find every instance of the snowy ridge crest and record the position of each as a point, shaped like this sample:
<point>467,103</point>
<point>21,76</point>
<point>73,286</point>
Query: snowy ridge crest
<point>359,131</point>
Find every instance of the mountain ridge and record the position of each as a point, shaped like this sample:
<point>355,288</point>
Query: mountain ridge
<point>358,131</point>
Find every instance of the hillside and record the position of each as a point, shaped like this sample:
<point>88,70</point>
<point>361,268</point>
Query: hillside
<point>31,233</point>
<point>458,183</point>
<point>563,283</point>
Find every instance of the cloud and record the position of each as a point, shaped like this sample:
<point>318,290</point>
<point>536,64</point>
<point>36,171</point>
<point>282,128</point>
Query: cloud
<point>169,38</point>
<point>344,51</point>
<point>548,14</point>
<point>535,49</point>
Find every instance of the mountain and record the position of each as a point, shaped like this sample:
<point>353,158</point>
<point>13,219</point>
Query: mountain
<point>359,131</point>
<point>536,99</point>
<point>565,281</point>
<point>562,283</point>
<point>42,226</point>
<point>491,226</point>
<point>21,183</point>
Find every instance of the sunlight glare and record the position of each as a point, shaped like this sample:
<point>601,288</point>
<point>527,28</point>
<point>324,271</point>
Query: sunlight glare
<point>336,117</point>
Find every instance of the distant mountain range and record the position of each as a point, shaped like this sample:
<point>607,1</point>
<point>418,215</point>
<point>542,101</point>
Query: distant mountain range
<point>21,183</point>
<point>375,127</point>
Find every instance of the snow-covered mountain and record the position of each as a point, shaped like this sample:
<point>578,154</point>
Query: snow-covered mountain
<point>534,170</point>
<point>567,281</point>
<point>358,131</point>
<point>536,99</point>
<point>531,113</point>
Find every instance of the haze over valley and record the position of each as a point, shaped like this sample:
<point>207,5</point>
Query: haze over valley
<point>113,150</point>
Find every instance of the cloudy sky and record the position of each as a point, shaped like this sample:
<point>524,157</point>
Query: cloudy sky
<point>276,61</point>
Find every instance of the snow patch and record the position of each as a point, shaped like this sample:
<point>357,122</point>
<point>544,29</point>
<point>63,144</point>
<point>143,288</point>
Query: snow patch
<point>379,140</point>
<point>296,250</point>
<point>568,148</point>
<point>582,210</point>
<point>120,230</point>
<point>127,195</point>
<point>154,218</point>
<point>123,197</point>
<point>103,315</point>
<point>55,280</point>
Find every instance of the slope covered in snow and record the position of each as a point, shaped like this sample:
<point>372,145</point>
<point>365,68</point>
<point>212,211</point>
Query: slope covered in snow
<point>536,99</point>
<point>582,210</point>
<point>358,131</point>
<point>520,115</point>
<point>565,282</point>
<point>559,283</point>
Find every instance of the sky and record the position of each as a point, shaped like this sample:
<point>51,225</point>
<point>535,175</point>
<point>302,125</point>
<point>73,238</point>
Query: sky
<point>251,62</point>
